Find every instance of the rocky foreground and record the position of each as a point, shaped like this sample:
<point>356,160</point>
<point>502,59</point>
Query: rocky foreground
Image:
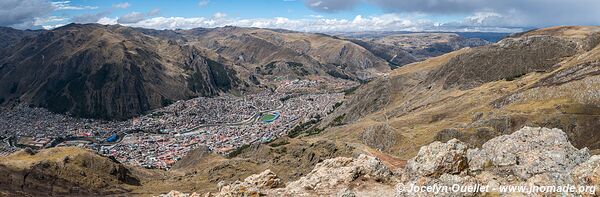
<point>527,158</point>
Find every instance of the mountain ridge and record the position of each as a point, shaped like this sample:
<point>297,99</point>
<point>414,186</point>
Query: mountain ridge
<point>427,125</point>
<point>67,69</point>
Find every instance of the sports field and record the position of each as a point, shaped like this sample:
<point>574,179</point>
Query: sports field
<point>269,117</point>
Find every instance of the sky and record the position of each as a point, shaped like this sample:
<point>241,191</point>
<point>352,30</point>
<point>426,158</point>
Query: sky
<point>306,15</point>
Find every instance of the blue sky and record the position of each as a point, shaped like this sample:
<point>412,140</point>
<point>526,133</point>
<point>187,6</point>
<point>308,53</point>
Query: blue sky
<point>294,9</point>
<point>306,15</point>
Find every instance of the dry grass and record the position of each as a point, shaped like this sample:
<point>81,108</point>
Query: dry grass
<point>23,160</point>
<point>419,114</point>
<point>567,31</point>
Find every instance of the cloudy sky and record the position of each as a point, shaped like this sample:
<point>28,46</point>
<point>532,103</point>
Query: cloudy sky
<point>306,15</point>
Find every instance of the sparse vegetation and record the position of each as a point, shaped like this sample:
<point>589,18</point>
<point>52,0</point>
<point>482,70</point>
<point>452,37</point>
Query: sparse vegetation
<point>350,91</point>
<point>305,127</point>
<point>237,151</point>
<point>338,121</point>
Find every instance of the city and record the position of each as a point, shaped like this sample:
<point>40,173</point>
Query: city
<point>163,136</point>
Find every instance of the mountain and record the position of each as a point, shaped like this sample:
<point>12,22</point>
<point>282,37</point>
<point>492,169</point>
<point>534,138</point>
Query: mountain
<point>11,36</point>
<point>405,48</point>
<point>487,36</point>
<point>276,53</point>
<point>459,118</point>
<point>107,72</point>
<point>117,72</point>
<point>547,77</point>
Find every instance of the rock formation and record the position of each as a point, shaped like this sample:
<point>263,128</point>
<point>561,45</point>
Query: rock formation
<point>530,156</point>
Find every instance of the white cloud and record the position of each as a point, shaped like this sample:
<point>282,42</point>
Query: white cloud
<point>154,12</point>
<point>40,21</point>
<point>524,13</point>
<point>481,17</point>
<point>49,27</point>
<point>22,13</point>
<point>108,21</point>
<point>330,5</point>
<point>121,5</point>
<point>89,18</point>
<point>386,22</point>
<point>203,3</point>
<point>66,5</point>
<point>219,15</point>
<point>134,17</point>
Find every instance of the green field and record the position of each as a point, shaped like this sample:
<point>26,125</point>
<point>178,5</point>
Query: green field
<point>267,117</point>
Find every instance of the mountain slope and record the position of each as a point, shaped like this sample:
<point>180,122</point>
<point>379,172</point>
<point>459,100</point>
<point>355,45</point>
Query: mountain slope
<point>547,77</point>
<point>405,48</point>
<point>11,36</point>
<point>64,171</point>
<point>107,72</point>
<point>261,49</point>
<point>116,72</point>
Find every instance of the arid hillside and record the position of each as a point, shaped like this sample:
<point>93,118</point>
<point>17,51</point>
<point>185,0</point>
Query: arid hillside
<point>64,171</point>
<point>107,72</point>
<point>405,48</point>
<point>547,77</point>
<point>117,72</point>
<point>475,99</point>
<point>287,53</point>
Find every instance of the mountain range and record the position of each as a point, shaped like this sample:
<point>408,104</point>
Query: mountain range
<point>471,101</point>
<point>117,72</point>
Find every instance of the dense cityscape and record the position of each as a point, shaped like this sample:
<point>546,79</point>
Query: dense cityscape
<point>163,136</point>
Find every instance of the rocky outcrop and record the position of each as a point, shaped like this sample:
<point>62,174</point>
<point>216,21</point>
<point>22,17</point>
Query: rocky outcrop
<point>530,156</point>
<point>331,177</point>
<point>438,159</point>
<point>251,186</point>
<point>179,194</point>
<point>382,137</point>
<point>341,170</point>
<point>526,153</point>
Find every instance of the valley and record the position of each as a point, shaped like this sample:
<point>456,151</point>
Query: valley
<point>154,118</point>
<point>201,110</point>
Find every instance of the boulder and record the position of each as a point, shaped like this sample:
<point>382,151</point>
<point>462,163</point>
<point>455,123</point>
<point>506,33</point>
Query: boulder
<point>588,174</point>
<point>346,193</point>
<point>527,152</point>
<point>174,193</point>
<point>253,185</point>
<point>341,170</point>
<point>437,159</point>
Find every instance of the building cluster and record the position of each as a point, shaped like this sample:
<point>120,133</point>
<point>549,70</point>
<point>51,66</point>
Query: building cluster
<point>160,138</point>
<point>318,85</point>
<point>188,115</point>
<point>22,120</point>
<point>162,150</point>
<point>22,126</point>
